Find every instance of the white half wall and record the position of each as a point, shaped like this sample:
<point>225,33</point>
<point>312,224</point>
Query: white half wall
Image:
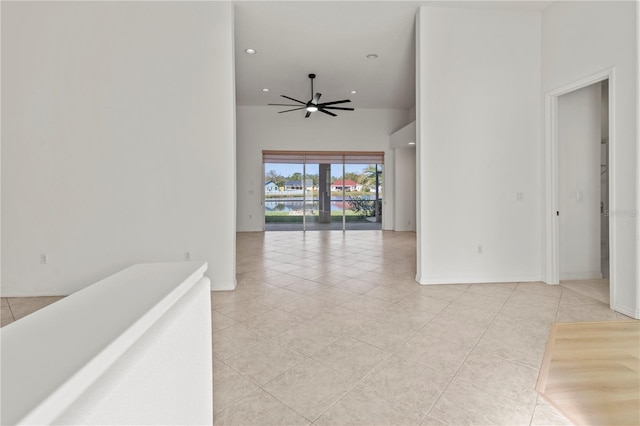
<point>580,39</point>
<point>261,128</point>
<point>118,140</point>
<point>479,145</point>
<point>131,349</point>
<point>579,131</point>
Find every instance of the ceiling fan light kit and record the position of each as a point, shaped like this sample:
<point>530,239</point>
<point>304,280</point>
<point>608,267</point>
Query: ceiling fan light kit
<point>314,105</point>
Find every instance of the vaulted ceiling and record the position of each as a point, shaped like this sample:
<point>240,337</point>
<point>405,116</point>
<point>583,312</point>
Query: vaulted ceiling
<point>332,40</point>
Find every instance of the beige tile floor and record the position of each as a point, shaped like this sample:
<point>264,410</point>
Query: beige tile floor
<point>330,328</point>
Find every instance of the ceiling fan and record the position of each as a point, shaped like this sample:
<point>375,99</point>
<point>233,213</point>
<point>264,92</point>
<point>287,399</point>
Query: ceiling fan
<point>312,105</point>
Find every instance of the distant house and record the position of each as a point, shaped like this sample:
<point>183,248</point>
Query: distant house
<point>347,184</point>
<point>296,185</point>
<point>270,186</point>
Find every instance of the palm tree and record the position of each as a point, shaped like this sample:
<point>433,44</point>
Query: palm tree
<point>370,176</point>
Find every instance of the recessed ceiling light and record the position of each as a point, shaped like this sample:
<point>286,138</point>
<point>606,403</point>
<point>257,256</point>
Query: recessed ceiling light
<point>265,90</point>
<point>353,92</point>
<point>412,143</point>
<point>372,56</point>
<point>250,51</point>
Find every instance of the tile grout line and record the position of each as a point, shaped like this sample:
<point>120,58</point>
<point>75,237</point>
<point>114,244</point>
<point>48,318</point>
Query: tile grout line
<point>467,357</point>
<point>261,387</point>
<point>343,335</point>
<point>413,334</point>
<point>11,310</point>
<point>423,418</point>
<point>355,384</point>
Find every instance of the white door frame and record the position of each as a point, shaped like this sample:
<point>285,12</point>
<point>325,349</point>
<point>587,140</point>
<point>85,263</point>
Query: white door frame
<point>551,223</point>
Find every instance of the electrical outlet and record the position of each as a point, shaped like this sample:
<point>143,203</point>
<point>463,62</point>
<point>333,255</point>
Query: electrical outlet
<point>519,196</point>
<point>187,255</point>
<point>44,258</point>
<point>479,249</point>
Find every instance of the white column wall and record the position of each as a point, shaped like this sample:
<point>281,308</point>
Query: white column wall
<point>479,136</point>
<point>580,39</point>
<point>118,140</point>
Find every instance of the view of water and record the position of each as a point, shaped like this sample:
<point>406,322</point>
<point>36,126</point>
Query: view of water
<point>295,204</point>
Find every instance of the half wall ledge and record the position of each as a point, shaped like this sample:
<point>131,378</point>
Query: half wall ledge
<point>121,351</point>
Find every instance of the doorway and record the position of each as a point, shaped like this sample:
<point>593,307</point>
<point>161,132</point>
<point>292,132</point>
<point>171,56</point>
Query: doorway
<point>582,173</point>
<point>307,191</point>
<point>579,252</point>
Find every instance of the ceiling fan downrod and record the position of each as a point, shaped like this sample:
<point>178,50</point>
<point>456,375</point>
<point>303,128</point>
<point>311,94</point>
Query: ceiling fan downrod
<point>312,76</point>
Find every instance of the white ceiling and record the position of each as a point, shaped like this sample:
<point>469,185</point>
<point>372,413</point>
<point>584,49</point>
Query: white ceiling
<point>332,40</point>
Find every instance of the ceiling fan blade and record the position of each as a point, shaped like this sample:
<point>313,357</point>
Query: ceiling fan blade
<point>307,114</point>
<point>328,112</point>
<point>334,102</point>
<point>344,109</point>
<point>295,100</point>
<point>316,98</point>
<point>294,109</point>
<point>285,105</point>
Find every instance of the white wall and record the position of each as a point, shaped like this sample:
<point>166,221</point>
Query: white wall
<point>404,178</point>
<point>579,131</point>
<point>262,128</point>
<point>118,135</point>
<point>478,113</point>
<point>579,40</point>
<point>405,190</point>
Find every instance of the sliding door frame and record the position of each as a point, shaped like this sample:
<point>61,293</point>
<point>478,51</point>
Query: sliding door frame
<point>322,157</point>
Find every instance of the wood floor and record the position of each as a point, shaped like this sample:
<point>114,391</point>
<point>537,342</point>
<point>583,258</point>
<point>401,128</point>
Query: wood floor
<point>591,372</point>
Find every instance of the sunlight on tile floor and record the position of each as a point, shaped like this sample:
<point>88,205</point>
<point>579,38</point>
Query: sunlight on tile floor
<point>330,328</point>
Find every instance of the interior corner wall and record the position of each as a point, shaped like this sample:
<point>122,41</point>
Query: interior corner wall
<point>479,145</point>
<point>405,189</point>
<point>260,128</point>
<point>404,177</point>
<point>389,195</point>
<point>118,140</point>
<point>580,39</point>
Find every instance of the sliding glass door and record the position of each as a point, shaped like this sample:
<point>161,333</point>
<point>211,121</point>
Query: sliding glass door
<point>284,197</point>
<point>322,190</point>
<point>363,200</point>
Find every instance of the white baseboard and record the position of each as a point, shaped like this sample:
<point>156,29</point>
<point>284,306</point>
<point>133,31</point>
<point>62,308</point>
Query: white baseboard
<point>627,311</point>
<point>220,286</point>
<point>476,280</point>
<point>588,275</point>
